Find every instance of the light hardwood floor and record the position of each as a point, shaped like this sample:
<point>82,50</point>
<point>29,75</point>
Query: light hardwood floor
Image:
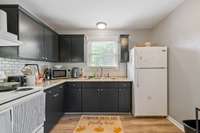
<point>131,125</point>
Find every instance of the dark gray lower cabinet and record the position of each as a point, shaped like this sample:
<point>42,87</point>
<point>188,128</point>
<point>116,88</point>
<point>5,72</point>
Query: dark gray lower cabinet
<point>72,97</point>
<point>100,100</point>
<point>124,99</point>
<point>100,97</point>
<point>97,97</point>
<point>54,106</point>
<point>108,100</point>
<point>90,99</point>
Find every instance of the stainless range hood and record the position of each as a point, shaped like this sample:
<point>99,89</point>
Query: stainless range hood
<point>6,38</point>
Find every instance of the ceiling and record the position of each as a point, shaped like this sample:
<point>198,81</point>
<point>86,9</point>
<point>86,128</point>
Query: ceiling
<point>64,15</point>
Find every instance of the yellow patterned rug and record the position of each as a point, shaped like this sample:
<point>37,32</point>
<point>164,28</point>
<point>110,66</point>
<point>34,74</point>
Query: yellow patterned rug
<point>99,124</point>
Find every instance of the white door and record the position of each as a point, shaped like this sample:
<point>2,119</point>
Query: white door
<point>150,57</point>
<point>150,92</point>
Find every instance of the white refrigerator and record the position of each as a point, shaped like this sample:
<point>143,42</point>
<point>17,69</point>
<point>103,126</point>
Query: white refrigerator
<point>148,70</point>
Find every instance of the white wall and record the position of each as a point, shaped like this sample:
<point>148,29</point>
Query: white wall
<point>180,31</point>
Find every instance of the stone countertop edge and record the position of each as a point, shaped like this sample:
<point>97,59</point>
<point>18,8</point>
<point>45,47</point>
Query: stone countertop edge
<point>6,97</point>
<point>52,83</point>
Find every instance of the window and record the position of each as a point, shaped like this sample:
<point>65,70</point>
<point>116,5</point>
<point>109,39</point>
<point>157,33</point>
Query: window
<point>103,54</point>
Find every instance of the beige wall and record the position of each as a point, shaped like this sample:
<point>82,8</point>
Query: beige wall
<point>180,31</point>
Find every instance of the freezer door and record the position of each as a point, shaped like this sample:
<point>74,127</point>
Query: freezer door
<point>150,92</point>
<point>150,57</point>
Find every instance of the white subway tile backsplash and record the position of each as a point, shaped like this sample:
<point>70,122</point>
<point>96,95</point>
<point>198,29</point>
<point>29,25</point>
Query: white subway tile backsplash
<point>14,66</point>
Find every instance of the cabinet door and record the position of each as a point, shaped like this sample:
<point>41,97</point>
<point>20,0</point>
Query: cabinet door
<point>65,48</point>
<point>109,100</point>
<point>12,17</point>
<point>31,34</point>
<point>6,121</point>
<point>72,97</point>
<point>77,48</point>
<point>124,48</point>
<point>124,99</point>
<point>12,26</point>
<point>51,45</point>
<point>60,98</point>
<point>49,108</point>
<point>90,99</point>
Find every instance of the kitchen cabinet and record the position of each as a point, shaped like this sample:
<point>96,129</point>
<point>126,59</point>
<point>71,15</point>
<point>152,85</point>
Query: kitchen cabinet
<point>39,41</point>
<point>54,106</point>
<point>71,48</point>
<point>65,48</point>
<point>124,43</point>
<point>31,34</point>
<point>99,97</point>
<point>124,97</point>
<point>72,97</point>
<point>50,45</point>
<point>90,99</point>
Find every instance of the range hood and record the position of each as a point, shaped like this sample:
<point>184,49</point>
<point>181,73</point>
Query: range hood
<point>6,38</point>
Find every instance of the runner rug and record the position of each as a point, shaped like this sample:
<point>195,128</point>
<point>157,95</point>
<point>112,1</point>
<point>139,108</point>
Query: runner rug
<point>99,124</point>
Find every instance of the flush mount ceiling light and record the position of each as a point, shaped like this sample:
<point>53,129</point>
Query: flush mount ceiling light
<point>101,25</point>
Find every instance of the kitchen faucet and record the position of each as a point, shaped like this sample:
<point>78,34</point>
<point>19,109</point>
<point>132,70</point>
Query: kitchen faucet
<point>101,72</point>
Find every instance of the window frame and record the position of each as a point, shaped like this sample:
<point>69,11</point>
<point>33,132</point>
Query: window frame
<point>89,43</point>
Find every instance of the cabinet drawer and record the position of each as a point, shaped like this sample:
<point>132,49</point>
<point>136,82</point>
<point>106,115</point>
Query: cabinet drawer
<point>73,84</point>
<point>123,85</point>
<point>99,85</point>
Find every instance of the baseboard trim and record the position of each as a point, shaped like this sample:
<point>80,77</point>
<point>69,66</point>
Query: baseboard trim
<point>176,123</point>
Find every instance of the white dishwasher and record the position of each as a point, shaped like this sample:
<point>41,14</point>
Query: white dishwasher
<point>29,114</point>
<point>6,121</point>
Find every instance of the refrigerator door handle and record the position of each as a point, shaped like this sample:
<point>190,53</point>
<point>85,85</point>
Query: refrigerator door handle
<point>137,75</point>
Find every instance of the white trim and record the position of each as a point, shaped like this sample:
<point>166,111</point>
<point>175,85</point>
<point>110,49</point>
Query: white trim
<point>176,123</point>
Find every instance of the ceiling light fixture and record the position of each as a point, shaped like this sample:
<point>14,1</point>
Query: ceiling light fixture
<point>101,25</point>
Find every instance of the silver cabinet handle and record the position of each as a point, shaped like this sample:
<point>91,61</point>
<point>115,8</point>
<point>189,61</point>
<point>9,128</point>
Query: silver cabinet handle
<point>56,95</point>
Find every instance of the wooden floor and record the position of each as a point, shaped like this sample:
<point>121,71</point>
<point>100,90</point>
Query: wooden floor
<point>131,125</point>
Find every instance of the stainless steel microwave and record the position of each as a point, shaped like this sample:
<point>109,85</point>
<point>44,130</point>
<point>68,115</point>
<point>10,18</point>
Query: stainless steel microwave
<point>59,73</point>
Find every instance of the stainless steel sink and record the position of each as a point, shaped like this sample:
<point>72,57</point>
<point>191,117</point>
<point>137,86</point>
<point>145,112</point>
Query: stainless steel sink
<point>24,89</point>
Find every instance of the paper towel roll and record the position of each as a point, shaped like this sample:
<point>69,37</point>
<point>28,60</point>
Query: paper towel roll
<point>3,21</point>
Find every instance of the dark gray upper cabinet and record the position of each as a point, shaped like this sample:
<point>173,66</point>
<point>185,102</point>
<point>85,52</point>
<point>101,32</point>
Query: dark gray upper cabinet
<point>31,34</point>
<point>77,48</point>
<point>124,43</point>
<point>50,45</point>
<point>71,48</point>
<point>12,22</point>
<point>39,41</point>
<point>65,48</point>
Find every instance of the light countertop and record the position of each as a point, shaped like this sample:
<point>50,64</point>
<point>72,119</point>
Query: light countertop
<point>9,96</point>
<point>12,95</point>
